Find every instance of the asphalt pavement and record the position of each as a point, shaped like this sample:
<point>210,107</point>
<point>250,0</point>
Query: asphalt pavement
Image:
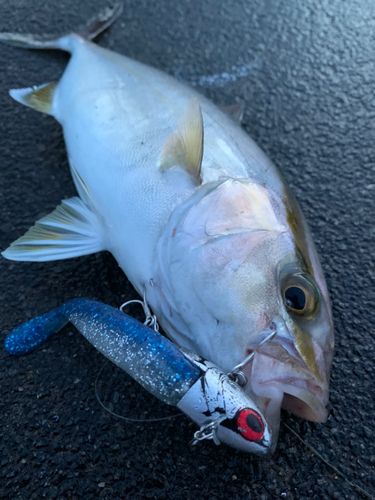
<point>306,71</point>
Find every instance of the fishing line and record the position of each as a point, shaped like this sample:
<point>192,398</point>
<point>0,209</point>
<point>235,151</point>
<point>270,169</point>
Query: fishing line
<point>127,419</point>
<point>152,322</point>
<point>353,485</point>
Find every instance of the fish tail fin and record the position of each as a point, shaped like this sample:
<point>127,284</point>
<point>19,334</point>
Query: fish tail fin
<point>89,31</point>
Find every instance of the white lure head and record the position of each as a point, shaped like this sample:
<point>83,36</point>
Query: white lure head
<point>224,411</point>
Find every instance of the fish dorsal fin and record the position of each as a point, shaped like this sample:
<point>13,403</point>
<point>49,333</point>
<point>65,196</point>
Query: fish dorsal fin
<point>235,111</point>
<point>38,97</point>
<point>71,230</point>
<point>184,147</point>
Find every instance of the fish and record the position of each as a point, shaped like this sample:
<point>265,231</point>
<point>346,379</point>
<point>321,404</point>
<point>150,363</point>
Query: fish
<point>199,219</point>
<point>181,378</point>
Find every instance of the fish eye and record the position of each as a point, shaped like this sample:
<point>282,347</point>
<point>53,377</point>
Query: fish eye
<point>300,295</point>
<point>295,298</point>
<point>250,425</point>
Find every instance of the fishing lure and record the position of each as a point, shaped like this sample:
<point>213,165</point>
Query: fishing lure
<point>178,377</point>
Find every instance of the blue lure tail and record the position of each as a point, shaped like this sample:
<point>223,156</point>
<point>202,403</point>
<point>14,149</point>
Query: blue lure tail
<point>151,359</point>
<point>30,335</point>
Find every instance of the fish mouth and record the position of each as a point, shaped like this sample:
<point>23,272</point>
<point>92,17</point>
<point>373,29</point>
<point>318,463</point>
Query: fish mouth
<point>302,398</point>
<point>280,378</point>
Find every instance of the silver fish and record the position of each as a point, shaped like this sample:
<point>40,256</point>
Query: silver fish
<point>199,219</point>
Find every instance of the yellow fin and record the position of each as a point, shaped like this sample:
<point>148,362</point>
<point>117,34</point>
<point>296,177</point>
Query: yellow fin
<point>184,147</point>
<point>38,97</point>
<point>71,230</point>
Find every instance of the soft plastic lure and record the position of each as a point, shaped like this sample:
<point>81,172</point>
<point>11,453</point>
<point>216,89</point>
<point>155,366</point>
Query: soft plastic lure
<point>176,376</point>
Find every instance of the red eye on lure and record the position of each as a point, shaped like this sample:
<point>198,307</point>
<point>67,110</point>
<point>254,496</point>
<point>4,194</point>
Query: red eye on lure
<point>250,425</point>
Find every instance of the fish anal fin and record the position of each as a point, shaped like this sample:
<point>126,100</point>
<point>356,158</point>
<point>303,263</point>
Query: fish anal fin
<point>38,97</point>
<point>71,230</point>
<point>184,147</point>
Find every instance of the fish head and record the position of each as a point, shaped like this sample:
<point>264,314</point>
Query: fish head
<point>224,411</point>
<point>238,261</point>
<point>292,369</point>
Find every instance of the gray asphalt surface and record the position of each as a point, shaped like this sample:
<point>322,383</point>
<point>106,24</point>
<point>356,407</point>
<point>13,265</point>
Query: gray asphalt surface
<point>306,71</point>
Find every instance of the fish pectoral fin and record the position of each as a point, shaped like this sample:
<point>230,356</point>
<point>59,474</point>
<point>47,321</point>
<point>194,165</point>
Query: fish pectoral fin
<point>71,230</point>
<point>235,111</point>
<point>37,97</point>
<point>184,147</point>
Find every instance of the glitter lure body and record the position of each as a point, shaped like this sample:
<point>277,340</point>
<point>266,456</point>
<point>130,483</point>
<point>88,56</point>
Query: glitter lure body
<point>196,215</point>
<point>178,378</point>
<point>121,338</point>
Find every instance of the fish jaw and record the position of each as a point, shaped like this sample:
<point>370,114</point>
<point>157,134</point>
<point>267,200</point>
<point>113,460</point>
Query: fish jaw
<point>280,377</point>
<point>302,393</point>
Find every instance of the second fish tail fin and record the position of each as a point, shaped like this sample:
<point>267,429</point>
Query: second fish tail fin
<point>89,31</point>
